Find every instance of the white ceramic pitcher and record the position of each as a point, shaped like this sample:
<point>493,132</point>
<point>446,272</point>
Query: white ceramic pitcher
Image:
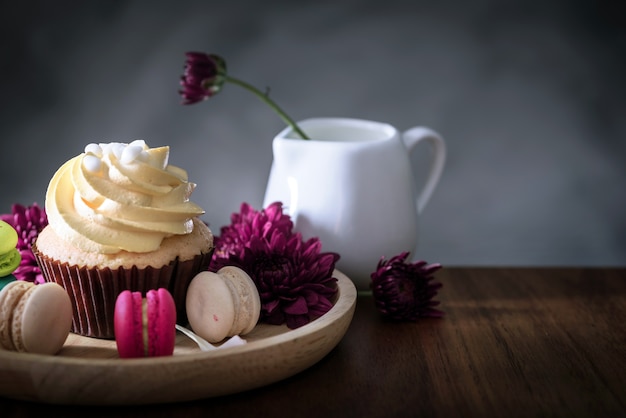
<point>352,185</point>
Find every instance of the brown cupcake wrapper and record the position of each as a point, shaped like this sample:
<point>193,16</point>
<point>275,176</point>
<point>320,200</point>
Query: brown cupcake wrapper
<point>93,291</point>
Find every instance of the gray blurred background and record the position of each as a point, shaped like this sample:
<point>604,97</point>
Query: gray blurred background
<point>529,95</point>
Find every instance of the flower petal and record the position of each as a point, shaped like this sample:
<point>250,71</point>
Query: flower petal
<point>297,307</point>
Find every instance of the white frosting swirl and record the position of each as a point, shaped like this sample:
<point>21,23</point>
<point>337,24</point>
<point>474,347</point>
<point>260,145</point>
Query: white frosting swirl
<point>119,196</point>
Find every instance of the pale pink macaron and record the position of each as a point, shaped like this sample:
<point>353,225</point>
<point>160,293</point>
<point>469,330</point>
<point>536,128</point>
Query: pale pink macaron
<point>34,318</point>
<point>222,304</point>
<point>145,326</point>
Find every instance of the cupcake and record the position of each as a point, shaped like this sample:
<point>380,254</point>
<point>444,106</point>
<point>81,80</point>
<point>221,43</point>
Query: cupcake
<point>120,218</point>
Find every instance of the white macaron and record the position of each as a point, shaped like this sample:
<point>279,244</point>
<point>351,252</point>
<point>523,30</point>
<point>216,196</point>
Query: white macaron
<point>34,318</point>
<point>222,304</point>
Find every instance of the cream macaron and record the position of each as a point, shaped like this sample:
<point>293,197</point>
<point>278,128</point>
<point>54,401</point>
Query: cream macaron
<point>222,304</point>
<point>34,318</point>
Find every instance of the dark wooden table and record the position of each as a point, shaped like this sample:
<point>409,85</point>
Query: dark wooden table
<point>515,342</point>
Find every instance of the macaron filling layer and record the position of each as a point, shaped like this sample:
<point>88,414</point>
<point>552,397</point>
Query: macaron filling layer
<point>145,325</point>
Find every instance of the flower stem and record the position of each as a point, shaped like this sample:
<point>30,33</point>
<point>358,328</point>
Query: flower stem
<point>270,102</point>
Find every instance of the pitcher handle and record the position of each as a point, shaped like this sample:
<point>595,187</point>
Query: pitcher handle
<point>411,138</point>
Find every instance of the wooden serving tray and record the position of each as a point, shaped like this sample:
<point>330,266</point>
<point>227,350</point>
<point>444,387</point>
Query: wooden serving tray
<point>89,371</point>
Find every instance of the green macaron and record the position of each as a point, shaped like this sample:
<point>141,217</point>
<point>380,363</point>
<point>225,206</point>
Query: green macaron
<point>10,257</point>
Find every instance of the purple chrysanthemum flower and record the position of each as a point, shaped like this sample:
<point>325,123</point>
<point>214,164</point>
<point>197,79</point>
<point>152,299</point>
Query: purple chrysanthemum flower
<point>294,278</point>
<point>403,291</point>
<point>28,223</point>
<point>203,77</point>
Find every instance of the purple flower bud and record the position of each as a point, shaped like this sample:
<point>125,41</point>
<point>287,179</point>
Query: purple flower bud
<point>203,77</point>
<point>403,291</point>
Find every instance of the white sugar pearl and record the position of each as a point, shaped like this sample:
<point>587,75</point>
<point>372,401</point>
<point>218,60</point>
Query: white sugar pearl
<point>130,154</point>
<point>107,148</point>
<point>139,143</point>
<point>94,149</point>
<point>92,163</point>
<point>117,149</point>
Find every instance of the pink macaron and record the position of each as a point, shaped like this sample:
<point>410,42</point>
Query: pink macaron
<point>145,326</point>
